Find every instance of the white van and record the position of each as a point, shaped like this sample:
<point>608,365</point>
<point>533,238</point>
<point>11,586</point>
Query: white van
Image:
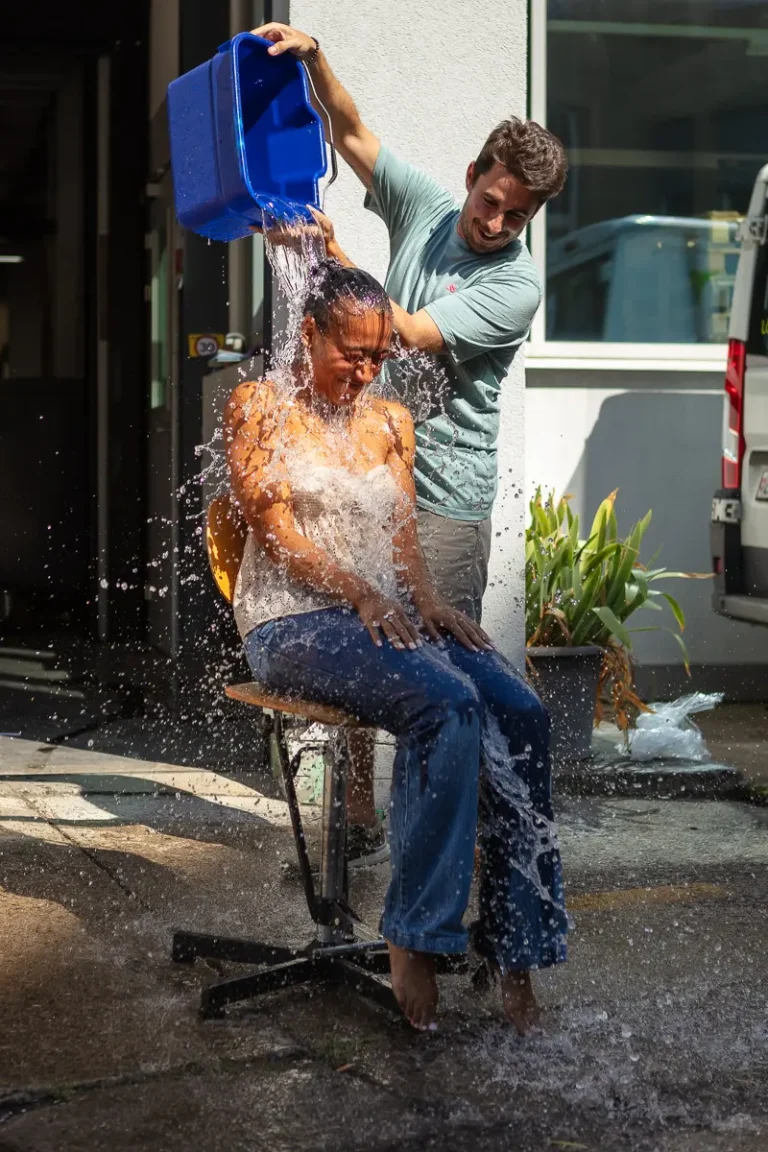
<point>739,530</point>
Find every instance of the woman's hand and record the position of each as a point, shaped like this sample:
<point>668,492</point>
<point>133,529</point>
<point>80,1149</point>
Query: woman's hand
<point>439,618</point>
<point>294,235</point>
<point>379,612</point>
<point>325,224</point>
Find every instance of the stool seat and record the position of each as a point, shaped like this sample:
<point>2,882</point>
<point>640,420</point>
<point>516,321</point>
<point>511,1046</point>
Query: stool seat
<point>260,696</point>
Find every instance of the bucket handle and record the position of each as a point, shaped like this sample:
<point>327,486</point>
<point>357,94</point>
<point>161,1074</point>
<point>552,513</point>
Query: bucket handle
<point>334,161</point>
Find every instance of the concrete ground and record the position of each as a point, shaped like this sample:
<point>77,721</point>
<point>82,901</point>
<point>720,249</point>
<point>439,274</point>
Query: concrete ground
<point>655,1035</point>
<point>737,734</point>
<point>734,764</point>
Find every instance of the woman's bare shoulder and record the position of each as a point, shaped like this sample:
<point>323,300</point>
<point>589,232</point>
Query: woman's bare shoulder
<point>396,415</point>
<point>251,402</point>
<point>251,396</point>
<point>396,425</point>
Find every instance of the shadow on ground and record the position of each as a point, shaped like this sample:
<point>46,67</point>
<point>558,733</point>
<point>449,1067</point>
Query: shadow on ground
<point>655,1034</point>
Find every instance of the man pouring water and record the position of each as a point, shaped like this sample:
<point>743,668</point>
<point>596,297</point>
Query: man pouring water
<point>463,287</point>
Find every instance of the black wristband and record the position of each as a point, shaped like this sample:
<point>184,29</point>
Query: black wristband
<point>313,55</point>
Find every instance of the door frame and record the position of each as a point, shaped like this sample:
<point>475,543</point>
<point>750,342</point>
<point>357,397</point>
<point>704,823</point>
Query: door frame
<point>163,420</point>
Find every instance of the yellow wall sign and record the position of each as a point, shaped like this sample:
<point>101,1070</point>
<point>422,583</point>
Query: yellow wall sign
<point>205,343</point>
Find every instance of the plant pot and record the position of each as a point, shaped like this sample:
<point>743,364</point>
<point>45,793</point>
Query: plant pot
<point>566,679</point>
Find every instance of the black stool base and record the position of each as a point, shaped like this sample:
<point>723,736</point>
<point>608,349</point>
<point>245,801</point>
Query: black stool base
<point>345,960</point>
<point>354,964</point>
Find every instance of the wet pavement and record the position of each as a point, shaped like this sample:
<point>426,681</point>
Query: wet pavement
<point>655,1035</point>
<point>737,734</point>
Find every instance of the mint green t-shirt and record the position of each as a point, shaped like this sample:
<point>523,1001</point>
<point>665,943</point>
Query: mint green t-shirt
<point>483,306</point>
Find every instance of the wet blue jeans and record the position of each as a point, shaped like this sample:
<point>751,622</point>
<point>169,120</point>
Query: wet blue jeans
<point>472,741</point>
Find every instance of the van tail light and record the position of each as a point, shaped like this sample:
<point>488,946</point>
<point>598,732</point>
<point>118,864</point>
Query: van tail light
<point>733,423</point>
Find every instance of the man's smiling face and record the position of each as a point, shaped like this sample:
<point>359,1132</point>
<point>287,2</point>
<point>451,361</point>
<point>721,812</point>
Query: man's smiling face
<point>497,209</point>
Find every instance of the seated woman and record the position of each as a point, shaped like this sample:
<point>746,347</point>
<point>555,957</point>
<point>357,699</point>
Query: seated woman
<point>335,604</point>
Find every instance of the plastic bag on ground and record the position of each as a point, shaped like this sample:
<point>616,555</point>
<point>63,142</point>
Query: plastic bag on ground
<point>668,733</point>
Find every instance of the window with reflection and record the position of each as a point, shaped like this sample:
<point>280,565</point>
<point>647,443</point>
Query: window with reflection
<point>663,107</point>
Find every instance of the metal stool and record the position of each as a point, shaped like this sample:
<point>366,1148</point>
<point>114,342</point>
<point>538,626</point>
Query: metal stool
<point>337,953</point>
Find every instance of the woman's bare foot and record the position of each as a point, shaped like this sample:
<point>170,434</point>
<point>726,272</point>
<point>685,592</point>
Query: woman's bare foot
<point>520,1006</point>
<point>414,985</point>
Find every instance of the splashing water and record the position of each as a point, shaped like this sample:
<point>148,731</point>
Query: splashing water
<point>294,249</point>
<point>533,835</point>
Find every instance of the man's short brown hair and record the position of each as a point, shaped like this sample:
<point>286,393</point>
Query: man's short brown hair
<point>532,154</point>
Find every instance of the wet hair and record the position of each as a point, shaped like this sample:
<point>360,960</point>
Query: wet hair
<point>529,152</point>
<point>334,288</point>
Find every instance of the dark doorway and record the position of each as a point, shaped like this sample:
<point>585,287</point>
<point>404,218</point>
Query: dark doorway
<point>44,463</point>
<point>73,154</point>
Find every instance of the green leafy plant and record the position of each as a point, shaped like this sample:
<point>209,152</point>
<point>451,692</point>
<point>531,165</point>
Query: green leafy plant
<point>587,591</point>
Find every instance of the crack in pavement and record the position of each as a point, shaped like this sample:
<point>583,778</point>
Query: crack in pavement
<point>89,853</point>
<point>28,1100</point>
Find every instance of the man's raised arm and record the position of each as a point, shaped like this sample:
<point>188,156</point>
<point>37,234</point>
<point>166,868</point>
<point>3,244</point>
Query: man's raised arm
<point>356,144</point>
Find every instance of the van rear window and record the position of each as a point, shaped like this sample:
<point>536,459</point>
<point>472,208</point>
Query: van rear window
<point>757,341</point>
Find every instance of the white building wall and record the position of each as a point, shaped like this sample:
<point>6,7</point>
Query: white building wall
<point>656,437</point>
<point>432,90</point>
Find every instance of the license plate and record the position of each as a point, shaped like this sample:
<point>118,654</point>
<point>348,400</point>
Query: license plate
<point>762,486</point>
<point>726,511</point>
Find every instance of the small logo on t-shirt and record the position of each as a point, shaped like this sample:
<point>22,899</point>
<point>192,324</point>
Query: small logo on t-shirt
<point>452,288</point>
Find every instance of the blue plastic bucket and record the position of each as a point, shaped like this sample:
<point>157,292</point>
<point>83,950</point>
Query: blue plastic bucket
<point>244,136</point>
